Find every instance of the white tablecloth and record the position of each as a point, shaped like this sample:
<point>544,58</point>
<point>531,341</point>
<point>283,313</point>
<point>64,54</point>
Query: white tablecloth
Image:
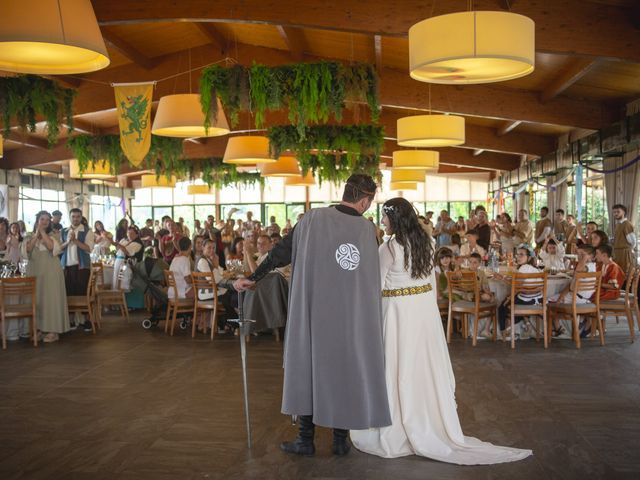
<point>555,284</point>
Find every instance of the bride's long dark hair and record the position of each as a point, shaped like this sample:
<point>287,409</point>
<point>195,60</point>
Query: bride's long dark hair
<point>410,234</point>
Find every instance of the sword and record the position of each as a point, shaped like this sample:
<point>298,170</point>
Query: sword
<point>244,327</point>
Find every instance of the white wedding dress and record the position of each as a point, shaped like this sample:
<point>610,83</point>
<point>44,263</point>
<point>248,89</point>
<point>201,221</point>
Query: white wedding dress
<point>420,380</point>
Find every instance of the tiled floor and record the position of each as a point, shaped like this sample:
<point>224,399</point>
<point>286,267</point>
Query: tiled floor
<point>135,404</point>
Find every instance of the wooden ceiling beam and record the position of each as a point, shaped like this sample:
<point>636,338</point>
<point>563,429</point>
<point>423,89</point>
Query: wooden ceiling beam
<point>23,138</point>
<point>377,47</point>
<point>65,80</point>
<point>128,50</point>
<point>294,38</point>
<point>577,69</point>
<point>213,34</point>
<point>568,27</point>
<point>477,151</point>
<point>507,127</point>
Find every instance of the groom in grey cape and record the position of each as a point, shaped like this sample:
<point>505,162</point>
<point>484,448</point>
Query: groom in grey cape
<point>334,356</point>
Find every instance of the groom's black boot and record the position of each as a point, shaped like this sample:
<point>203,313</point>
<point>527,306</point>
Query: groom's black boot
<point>341,444</point>
<point>303,444</point>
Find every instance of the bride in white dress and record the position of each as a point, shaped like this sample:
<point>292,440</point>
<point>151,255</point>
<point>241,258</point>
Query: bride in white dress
<point>419,376</point>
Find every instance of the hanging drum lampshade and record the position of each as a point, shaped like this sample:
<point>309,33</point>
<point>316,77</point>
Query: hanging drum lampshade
<point>57,37</point>
<point>1,147</point>
<point>285,166</point>
<point>416,159</point>
<point>99,170</point>
<point>404,186</point>
<point>181,116</point>
<point>431,131</point>
<point>407,176</point>
<point>300,181</point>
<point>472,47</point>
<point>247,150</point>
<point>151,181</point>
<point>198,190</point>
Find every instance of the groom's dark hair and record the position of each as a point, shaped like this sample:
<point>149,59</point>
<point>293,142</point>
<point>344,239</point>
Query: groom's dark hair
<point>359,186</point>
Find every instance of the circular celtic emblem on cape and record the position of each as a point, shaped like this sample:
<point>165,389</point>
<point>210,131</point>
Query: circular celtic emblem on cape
<point>348,256</point>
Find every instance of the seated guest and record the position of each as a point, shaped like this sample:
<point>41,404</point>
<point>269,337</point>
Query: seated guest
<point>275,238</point>
<point>126,249</point>
<point>598,237</point>
<point>254,259</point>
<point>612,275</point>
<point>472,245</point>
<point>169,247</point>
<point>444,264</point>
<point>236,252</point>
<point>456,243</point>
<point>486,295</point>
<point>525,260</point>
<point>581,236</point>
<point>181,268</point>
<point>198,246</point>
<point>552,254</point>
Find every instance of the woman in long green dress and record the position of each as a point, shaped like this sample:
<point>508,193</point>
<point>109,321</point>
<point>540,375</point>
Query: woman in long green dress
<point>43,249</point>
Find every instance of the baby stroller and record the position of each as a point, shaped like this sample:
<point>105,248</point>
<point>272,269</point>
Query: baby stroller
<point>148,276</point>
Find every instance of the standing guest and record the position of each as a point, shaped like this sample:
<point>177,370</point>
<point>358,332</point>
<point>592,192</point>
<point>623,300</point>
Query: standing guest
<point>461,226</point>
<point>14,244</point>
<point>101,238</point>
<point>227,234</point>
<point>612,275</point>
<point>77,243</point>
<point>198,247</point>
<point>157,239</point>
<point>484,230</point>
<point>544,227</point>
<point>505,231</point>
<point>183,226</point>
<point>523,229</point>
<point>624,239</point>
<point>429,221</point>
<point>197,228</point>
<point>4,235</point>
<point>444,229</point>
<point>249,225</point>
<point>121,229</point>
<point>239,228</point>
<point>599,237</point>
<point>552,253</point>
<point>181,268</point>
<point>581,236</point>
<point>165,221</point>
<point>275,228</point>
<point>287,227</point>
<point>55,221</point>
<point>472,245</point>
<point>560,225</point>
<point>169,244</point>
<point>147,233</point>
<point>127,249</point>
<point>571,234</point>
<point>43,249</point>
<point>23,228</point>
<point>156,226</point>
<point>275,238</point>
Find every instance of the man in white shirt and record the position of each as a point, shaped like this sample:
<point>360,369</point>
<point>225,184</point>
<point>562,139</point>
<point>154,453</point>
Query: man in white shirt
<point>77,243</point>
<point>264,246</point>
<point>248,226</point>
<point>181,268</point>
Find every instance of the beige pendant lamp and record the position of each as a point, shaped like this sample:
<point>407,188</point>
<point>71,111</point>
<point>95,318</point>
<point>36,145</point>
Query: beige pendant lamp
<point>99,170</point>
<point>198,190</point>
<point>50,37</point>
<point>285,166</point>
<point>181,116</point>
<point>472,47</point>
<point>407,176</point>
<point>404,185</point>
<point>428,160</point>
<point>431,131</point>
<point>300,181</point>
<point>247,150</point>
<point>151,181</point>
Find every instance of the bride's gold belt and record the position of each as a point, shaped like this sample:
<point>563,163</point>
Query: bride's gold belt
<point>403,292</point>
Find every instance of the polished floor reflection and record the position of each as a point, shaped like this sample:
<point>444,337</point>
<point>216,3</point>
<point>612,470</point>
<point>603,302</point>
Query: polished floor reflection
<point>135,404</point>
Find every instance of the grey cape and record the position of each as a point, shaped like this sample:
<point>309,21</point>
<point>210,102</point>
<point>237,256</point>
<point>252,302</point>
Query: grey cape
<point>334,355</point>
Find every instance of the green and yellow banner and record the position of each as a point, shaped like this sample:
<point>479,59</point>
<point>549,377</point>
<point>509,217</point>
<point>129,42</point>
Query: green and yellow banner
<point>133,102</point>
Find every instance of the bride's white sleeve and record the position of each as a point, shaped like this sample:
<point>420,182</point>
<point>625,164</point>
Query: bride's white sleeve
<point>386,260</point>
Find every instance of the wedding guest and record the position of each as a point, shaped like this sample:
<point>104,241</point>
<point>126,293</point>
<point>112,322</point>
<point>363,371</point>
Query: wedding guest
<point>505,231</point>
<point>237,249</point>
<point>197,229</point>
<point>624,239</point>
<point>263,248</point>
<point>121,229</point>
<point>14,244</point>
<point>23,228</point>
<point>444,264</point>
<point>56,216</point>
<point>4,235</point>
<point>287,228</point>
<point>156,226</point>
<point>613,276</point>
<point>444,228</point>
<point>126,249</point>
<point>461,226</point>
<point>523,229</point>
<point>101,238</point>
<point>42,249</point>
<point>147,233</point>
<point>275,228</point>
<point>456,244</point>
<point>181,268</point>
<point>486,295</point>
<point>275,238</point>
<point>239,228</point>
<point>198,246</point>
<point>571,233</point>
<point>249,225</point>
<point>581,236</point>
<point>599,237</point>
<point>169,247</point>
<point>183,226</point>
<point>560,225</point>
<point>552,253</point>
<point>483,228</point>
<point>544,227</point>
<point>472,245</point>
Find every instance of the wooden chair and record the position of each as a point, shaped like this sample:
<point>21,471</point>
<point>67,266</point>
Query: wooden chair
<point>626,304</point>
<point>175,305</point>
<point>86,303</point>
<point>529,284</point>
<point>583,281</point>
<point>111,297</point>
<point>18,300</point>
<point>468,282</point>
<point>205,281</point>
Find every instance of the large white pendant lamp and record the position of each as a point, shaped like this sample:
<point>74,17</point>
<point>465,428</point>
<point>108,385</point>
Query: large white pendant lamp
<point>198,190</point>
<point>431,131</point>
<point>416,159</point>
<point>181,116</point>
<point>58,37</point>
<point>407,176</point>
<point>151,181</point>
<point>247,150</point>
<point>472,47</point>
<point>99,170</point>
<point>300,181</point>
<point>285,166</point>
<point>403,185</point>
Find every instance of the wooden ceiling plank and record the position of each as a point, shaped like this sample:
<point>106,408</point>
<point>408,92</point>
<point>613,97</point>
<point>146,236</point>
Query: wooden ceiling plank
<point>569,27</point>
<point>128,50</point>
<point>23,138</point>
<point>294,39</point>
<point>507,127</point>
<point>577,69</point>
<point>214,35</point>
<point>377,45</point>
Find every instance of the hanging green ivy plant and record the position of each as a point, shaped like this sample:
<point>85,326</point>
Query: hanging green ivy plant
<point>311,92</point>
<point>92,149</point>
<point>26,97</point>
<point>332,152</point>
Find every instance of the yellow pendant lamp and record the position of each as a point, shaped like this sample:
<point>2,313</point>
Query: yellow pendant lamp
<point>181,116</point>
<point>431,131</point>
<point>99,170</point>
<point>404,185</point>
<point>247,150</point>
<point>472,47</point>
<point>57,37</point>
<point>151,181</point>
<point>1,147</point>
<point>416,159</point>
<point>285,166</point>
<point>198,190</point>
<point>300,181</point>
<point>407,175</point>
